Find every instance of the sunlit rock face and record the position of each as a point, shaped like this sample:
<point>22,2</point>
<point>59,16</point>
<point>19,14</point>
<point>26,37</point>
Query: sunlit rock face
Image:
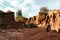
<point>41,19</point>
<point>54,16</point>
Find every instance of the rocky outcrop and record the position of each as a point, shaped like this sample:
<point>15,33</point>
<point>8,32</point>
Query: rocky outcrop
<point>31,20</point>
<point>7,21</point>
<point>52,17</point>
<point>6,17</point>
<point>39,20</point>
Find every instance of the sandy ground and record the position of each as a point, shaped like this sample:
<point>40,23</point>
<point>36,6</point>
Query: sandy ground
<point>28,34</point>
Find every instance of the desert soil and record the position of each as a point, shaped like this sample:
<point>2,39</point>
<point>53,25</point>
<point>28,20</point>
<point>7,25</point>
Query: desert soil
<point>28,34</point>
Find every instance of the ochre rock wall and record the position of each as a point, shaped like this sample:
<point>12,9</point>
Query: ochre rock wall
<point>51,17</point>
<point>39,20</point>
<point>54,16</point>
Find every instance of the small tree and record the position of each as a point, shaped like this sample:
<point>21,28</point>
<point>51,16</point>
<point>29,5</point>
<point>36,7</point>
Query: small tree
<point>43,9</point>
<point>20,17</point>
<point>19,13</point>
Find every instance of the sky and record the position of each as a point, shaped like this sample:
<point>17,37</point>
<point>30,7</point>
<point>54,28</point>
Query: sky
<point>29,7</point>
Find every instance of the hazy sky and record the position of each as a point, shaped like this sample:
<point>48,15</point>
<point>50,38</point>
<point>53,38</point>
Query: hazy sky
<point>28,7</point>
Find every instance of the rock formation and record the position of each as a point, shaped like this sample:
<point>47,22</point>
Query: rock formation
<point>7,20</point>
<point>31,20</point>
<point>52,17</point>
<point>39,20</point>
